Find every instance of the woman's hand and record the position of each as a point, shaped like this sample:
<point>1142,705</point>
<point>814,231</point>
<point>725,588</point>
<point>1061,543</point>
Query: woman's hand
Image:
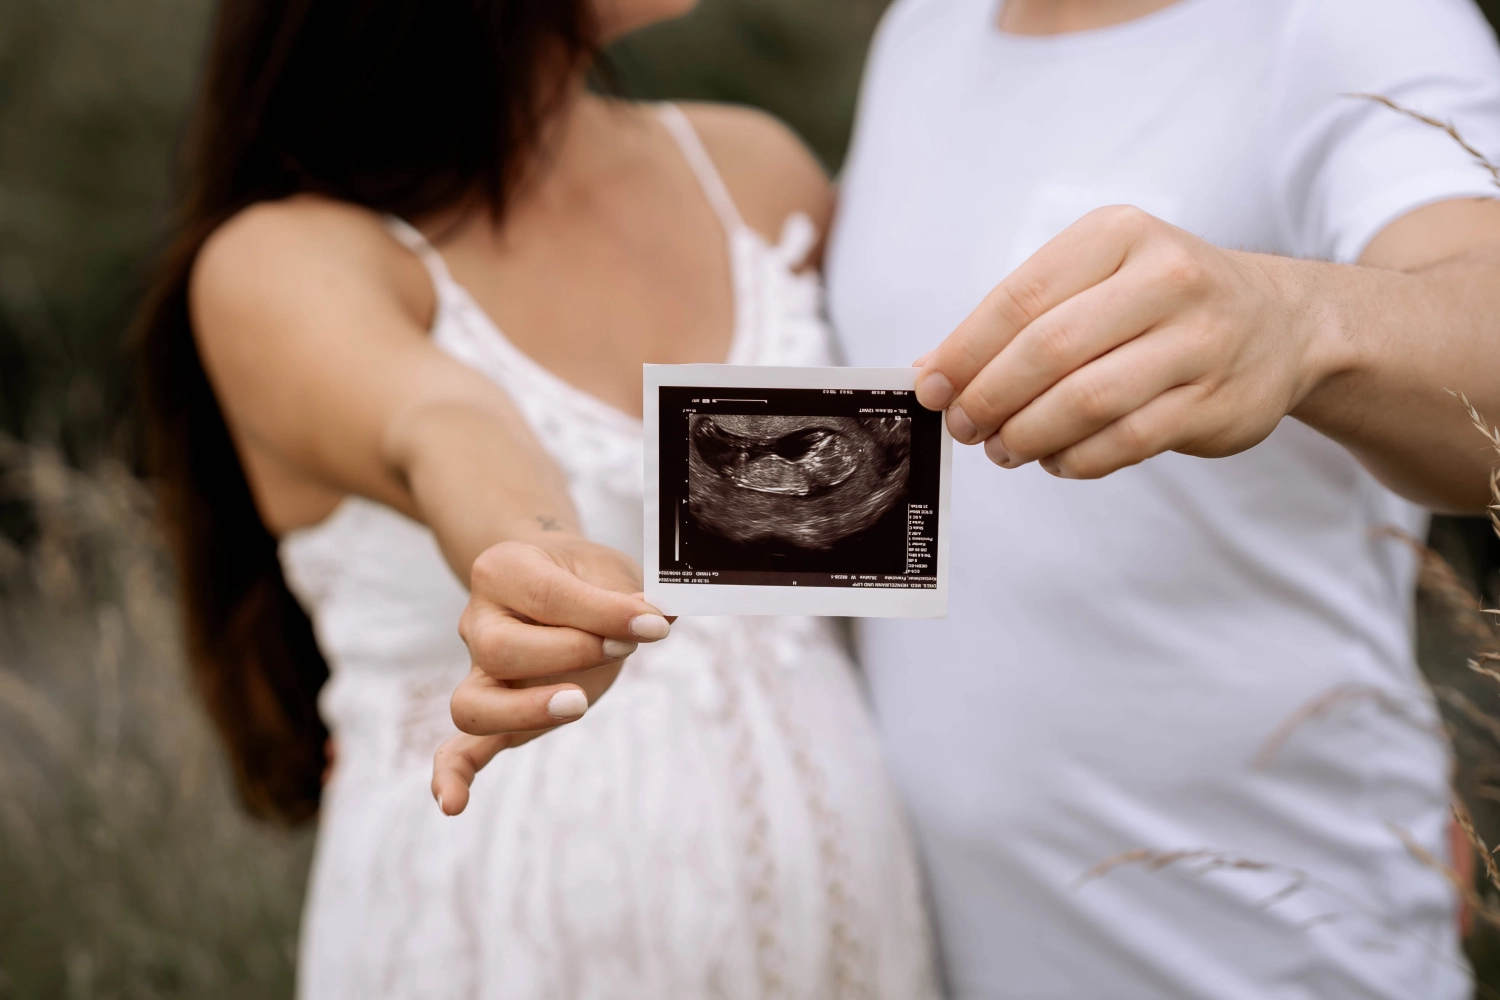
<point>550,622</point>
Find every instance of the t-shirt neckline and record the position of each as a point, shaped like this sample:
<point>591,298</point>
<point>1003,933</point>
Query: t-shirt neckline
<point>1166,20</point>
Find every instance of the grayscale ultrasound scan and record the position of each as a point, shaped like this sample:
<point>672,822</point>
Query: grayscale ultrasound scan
<point>805,481</point>
<point>797,487</point>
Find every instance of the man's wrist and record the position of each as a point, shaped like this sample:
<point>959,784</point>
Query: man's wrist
<point>1328,309</point>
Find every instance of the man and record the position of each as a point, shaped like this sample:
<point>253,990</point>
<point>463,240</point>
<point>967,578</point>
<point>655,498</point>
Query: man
<point>1122,653</point>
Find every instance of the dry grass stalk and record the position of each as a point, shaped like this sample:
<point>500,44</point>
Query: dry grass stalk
<point>1480,907</point>
<point>1417,709</point>
<point>1477,664</point>
<point>1465,823</point>
<point>1447,127</point>
<point>121,848</point>
<point>1465,706</point>
<point>1440,581</point>
<point>1205,861</point>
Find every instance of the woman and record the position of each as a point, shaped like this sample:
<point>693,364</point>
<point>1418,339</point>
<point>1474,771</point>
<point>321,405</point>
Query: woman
<point>336,415</point>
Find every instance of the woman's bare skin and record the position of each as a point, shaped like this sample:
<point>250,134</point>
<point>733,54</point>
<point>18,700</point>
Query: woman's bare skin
<point>312,322</point>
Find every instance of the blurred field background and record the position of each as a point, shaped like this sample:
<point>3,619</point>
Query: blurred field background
<point>126,870</point>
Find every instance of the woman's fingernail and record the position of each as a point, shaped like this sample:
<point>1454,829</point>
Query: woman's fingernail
<point>959,424</point>
<point>996,451</point>
<point>1050,464</point>
<point>618,649</point>
<point>649,627</point>
<point>569,704</point>
<point>440,806</point>
<point>934,391</point>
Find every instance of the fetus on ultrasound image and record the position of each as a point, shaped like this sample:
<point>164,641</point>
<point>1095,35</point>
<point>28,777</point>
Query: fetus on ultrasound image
<point>806,483</point>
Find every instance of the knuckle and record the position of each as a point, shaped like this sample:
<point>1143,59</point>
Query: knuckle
<point>1133,436</point>
<point>468,624</point>
<point>1057,347</point>
<point>1019,299</point>
<point>490,570</point>
<point>1020,440</point>
<point>492,649</point>
<point>980,403</point>
<point>537,595</point>
<point>1199,347</point>
<point>1091,399</point>
<point>1181,271</point>
<point>972,354</point>
<point>1121,220</point>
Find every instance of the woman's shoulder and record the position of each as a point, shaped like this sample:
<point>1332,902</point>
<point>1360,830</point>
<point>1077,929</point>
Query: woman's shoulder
<point>768,169</point>
<point>275,252</point>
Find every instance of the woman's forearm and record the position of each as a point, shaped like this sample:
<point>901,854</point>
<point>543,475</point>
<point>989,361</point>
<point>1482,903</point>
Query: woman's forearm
<point>478,477</point>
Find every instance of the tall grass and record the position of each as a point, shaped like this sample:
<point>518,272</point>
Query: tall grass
<point>126,870</point>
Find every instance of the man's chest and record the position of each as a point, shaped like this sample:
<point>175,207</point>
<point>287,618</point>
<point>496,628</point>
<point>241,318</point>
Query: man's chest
<point>956,180</point>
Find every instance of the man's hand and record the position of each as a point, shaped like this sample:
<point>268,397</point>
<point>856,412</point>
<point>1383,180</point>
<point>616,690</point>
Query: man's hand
<point>1125,337</point>
<point>549,624</point>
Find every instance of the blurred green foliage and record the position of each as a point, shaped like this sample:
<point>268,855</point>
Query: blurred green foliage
<point>93,97</point>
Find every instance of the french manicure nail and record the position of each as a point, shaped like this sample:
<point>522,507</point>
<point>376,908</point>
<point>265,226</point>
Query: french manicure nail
<point>649,627</point>
<point>934,391</point>
<point>996,451</point>
<point>959,424</point>
<point>618,649</point>
<point>568,704</point>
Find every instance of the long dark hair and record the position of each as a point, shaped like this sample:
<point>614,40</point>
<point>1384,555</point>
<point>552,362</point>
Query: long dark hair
<point>404,106</point>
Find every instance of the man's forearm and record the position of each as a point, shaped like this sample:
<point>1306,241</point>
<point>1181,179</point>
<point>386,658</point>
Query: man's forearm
<point>1401,341</point>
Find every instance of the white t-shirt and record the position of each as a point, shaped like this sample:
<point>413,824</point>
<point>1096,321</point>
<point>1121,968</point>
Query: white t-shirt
<point>1118,653</point>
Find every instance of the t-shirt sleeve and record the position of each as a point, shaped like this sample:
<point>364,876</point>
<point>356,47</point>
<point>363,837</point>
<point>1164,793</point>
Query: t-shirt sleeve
<point>1345,167</point>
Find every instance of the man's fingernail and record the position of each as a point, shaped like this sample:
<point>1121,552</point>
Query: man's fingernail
<point>569,704</point>
<point>959,424</point>
<point>618,649</point>
<point>1050,464</point>
<point>934,391</point>
<point>996,451</point>
<point>649,627</point>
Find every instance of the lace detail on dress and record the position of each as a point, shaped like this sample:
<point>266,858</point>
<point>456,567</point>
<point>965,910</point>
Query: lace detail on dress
<point>846,974</point>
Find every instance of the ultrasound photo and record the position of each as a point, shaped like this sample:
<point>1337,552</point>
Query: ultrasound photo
<point>802,481</point>
<point>802,490</point>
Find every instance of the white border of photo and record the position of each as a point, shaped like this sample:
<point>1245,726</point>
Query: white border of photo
<point>727,599</point>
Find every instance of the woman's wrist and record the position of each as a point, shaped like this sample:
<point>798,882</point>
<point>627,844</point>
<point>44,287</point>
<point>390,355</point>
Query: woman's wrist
<point>543,528</point>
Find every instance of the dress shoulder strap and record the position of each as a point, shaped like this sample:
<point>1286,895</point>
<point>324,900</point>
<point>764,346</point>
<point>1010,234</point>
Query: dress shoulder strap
<point>697,157</point>
<point>410,237</point>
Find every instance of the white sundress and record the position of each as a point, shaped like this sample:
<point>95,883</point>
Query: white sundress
<point>719,825</point>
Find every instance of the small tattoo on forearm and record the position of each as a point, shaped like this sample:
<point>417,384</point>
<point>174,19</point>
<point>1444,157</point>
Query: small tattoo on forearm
<point>548,523</point>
